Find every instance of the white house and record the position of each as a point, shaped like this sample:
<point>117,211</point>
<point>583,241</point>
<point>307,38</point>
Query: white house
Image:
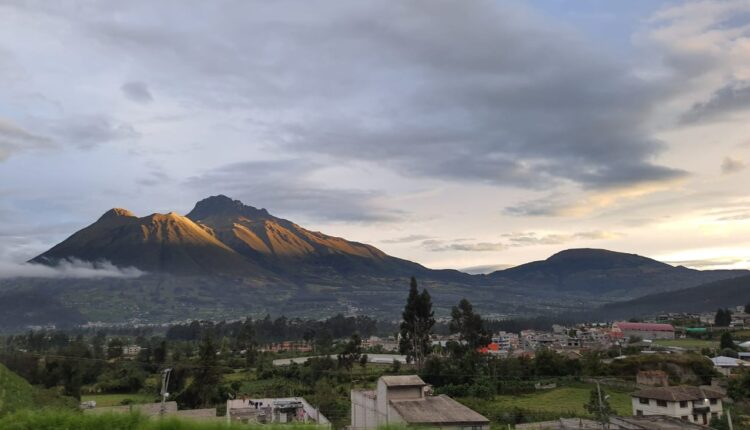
<point>693,404</point>
<point>402,400</point>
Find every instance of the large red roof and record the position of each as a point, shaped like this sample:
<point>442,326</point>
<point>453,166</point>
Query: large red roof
<point>644,326</point>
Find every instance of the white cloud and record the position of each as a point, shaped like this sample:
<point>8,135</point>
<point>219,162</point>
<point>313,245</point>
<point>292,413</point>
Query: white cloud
<point>68,269</point>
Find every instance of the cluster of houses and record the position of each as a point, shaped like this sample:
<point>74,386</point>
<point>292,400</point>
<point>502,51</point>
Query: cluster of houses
<point>406,400</point>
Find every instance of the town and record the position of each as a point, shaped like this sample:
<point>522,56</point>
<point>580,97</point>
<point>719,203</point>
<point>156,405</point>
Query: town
<point>677,370</point>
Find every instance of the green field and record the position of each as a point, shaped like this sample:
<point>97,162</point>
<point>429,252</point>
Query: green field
<point>688,343</point>
<point>566,401</point>
<point>116,399</point>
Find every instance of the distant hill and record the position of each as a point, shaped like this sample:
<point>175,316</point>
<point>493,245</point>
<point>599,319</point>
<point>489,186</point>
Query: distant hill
<point>703,298</point>
<point>605,273</point>
<point>29,307</point>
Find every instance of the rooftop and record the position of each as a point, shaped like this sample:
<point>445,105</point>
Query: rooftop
<point>644,326</point>
<point>678,394</point>
<point>723,361</point>
<point>403,381</point>
<point>437,410</point>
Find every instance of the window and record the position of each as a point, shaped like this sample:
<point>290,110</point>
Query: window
<point>684,404</point>
<point>684,417</point>
<point>661,403</point>
<point>643,401</point>
<point>713,401</point>
<point>714,415</point>
<point>639,413</point>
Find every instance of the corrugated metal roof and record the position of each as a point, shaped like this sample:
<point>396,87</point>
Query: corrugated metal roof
<point>436,410</point>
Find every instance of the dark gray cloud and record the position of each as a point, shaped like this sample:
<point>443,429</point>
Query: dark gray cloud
<point>732,165</point>
<point>725,102</point>
<point>284,188</point>
<point>137,92</point>
<point>482,91</point>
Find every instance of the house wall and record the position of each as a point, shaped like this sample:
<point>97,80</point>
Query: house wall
<point>364,411</point>
<point>673,409</point>
<point>649,334</point>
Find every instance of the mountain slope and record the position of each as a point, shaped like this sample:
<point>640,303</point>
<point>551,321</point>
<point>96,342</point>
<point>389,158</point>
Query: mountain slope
<point>156,243</point>
<point>602,272</point>
<point>285,246</point>
<point>706,297</point>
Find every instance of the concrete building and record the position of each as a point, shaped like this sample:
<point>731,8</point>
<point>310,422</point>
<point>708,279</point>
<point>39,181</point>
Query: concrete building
<point>274,411</point>
<point>645,330</point>
<point>692,404</point>
<point>402,400</point>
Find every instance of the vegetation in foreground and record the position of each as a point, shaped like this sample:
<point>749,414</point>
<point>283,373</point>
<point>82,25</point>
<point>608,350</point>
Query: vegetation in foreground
<point>64,419</point>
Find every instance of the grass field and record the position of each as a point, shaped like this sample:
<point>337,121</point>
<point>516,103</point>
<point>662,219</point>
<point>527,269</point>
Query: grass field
<point>688,343</point>
<point>116,399</point>
<point>563,400</point>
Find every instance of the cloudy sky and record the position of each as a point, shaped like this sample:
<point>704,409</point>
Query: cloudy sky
<point>456,134</point>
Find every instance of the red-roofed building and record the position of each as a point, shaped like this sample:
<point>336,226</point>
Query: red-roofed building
<point>644,330</point>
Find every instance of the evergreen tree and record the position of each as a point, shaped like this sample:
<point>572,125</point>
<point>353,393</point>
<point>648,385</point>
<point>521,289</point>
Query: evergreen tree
<point>468,325</point>
<point>204,390</point>
<point>726,341</point>
<point>416,327</point>
<point>723,318</point>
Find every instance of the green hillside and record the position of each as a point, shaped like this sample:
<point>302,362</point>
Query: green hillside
<point>15,392</point>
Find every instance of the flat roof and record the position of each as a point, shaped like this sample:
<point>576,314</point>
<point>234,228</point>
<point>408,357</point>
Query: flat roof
<point>403,381</point>
<point>436,410</point>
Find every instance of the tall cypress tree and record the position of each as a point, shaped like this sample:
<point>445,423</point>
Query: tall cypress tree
<point>417,324</point>
<point>409,317</point>
<point>468,325</point>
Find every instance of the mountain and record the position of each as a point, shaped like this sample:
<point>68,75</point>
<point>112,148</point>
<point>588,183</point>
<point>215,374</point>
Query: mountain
<point>606,273</point>
<point>283,246</point>
<point>225,259</point>
<point>156,243</point>
<point>707,297</point>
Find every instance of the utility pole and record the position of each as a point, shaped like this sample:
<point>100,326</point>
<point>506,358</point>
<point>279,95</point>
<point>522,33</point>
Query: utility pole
<point>729,420</point>
<point>164,393</point>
